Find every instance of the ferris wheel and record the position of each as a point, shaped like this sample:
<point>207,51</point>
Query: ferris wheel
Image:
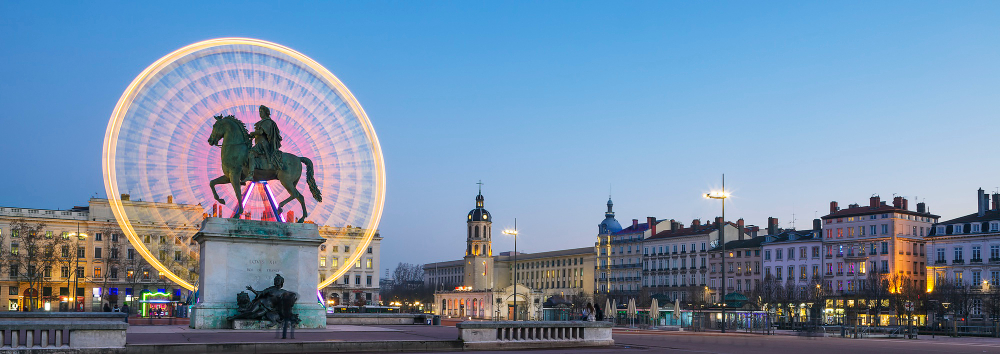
<point>156,146</point>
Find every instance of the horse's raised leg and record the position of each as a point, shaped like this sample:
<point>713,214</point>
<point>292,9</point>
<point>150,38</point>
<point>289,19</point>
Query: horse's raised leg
<point>221,180</point>
<point>239,198</point>
<point>293,193</point>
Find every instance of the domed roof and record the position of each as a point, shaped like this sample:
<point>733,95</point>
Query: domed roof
<point>480,213</point>
<point>610,224</point>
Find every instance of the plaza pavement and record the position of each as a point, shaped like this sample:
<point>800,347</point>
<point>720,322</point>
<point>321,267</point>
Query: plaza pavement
<point>626,340</point>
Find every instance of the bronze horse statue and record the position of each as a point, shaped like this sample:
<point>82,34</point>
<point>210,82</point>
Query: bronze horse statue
<point>235,158</point>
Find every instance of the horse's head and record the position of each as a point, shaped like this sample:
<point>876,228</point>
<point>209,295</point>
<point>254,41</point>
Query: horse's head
<point>227,127</point>
<point>217,132</point>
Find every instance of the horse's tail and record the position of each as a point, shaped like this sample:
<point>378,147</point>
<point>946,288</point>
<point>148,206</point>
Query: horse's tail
<point>311,179</point>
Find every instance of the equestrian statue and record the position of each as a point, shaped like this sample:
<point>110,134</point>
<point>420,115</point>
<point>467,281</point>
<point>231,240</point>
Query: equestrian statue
<point>263,161</point>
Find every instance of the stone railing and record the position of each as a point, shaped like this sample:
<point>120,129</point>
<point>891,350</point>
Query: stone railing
<point>82,332</point>
<point>534,334</point>
<point>376,318</point>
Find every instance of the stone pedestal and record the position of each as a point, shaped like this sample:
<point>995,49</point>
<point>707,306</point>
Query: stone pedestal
<point>236,253</point>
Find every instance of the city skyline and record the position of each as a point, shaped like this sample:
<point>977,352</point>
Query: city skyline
<point>554,106</point>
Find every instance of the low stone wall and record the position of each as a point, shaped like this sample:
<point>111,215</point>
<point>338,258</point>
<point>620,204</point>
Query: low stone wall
<point>534,334</point>
<point>376,318</point>
<point>62,332</point>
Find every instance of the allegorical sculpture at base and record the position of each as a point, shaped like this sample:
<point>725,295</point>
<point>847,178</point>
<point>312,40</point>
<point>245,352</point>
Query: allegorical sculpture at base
<point>272,304</point>
<point>263,161</point>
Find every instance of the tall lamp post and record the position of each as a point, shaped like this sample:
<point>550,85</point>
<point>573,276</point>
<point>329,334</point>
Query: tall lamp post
<point>721,195</point>
<point>514,233</point>
<point>76,272</point>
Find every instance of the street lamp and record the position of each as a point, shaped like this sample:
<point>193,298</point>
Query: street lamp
<point>722,195</point>
<point>514,233</point>
<point>76,279</point>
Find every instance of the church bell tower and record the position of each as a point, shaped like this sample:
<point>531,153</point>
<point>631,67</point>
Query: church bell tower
<point>479,249</point>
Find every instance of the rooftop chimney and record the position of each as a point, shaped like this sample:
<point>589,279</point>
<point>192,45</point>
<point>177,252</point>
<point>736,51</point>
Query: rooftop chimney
<point>874,202</point>
<point>772,226</point>
<point>922,208</point>
<point>982,202</point>
<point>125,197</point>
<point>170,199</point>
<point>718,221</point>
<point>897,202</point>
<point>818,224</point>
<point>695,223</point>
<point>652,225</point>
<point>673,225</point>
<point>742,230</point>
<point>906,204</point>
<point>833,207</point>
<point>635,223</point>
<point>996,201</point>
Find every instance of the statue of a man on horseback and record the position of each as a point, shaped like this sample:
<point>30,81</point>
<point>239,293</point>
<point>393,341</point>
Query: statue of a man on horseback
<point>266,151</point>
<point>262,161</point>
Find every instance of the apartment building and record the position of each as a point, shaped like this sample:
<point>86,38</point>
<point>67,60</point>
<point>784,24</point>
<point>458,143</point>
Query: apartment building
<point>887,239</point>
<point>965,252</point>
<point>676,260</point>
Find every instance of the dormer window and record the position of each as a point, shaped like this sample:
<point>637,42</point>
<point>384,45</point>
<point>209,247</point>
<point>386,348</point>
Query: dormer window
<point>941,230</point>
<point>994,226</point>
<point>956,229</point>
<point>975,227</point>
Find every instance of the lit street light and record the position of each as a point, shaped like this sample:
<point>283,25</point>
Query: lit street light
<point>722,195</point>
<point>514,233</point>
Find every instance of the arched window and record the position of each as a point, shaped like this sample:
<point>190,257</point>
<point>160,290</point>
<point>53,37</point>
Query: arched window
<point>477,231</point>
<point>470,231</point>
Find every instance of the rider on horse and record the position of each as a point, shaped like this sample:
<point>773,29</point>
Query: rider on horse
<point>265,153</point>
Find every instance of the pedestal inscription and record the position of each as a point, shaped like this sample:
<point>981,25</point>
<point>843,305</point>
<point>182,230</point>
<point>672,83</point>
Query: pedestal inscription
<point>236,253</point>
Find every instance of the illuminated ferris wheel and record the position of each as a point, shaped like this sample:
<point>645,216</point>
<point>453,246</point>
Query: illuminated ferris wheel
<point>156,147</point>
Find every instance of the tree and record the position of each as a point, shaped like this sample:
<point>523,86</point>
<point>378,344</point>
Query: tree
<point>904,290</point>
<point>109,240</point>
<point>31,257</point>
<point>67,259</point>
<point>136,270</point>
<point>769,293</point>
<point>991,302</point>
<point>815,293</point>
<point>876,290</point>
<point>407,287</point>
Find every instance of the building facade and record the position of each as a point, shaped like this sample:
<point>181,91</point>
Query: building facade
<point>792,262</point>
<point>877,238</point>
<point>360,285</point>
<point>508,285</point>
<point>676,259</point>
<point>964,254</point>
<point>619,273</point>
<point>92,262</point>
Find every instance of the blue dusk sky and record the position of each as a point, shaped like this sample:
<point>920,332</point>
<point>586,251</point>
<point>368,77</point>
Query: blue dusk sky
<point>550,103</point>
